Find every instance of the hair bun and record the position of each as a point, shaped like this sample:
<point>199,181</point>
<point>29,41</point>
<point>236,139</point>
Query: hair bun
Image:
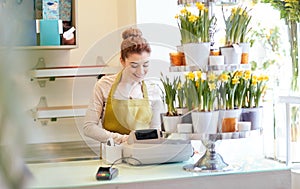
<point>132,32</point>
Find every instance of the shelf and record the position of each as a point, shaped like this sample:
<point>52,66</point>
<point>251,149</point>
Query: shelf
<point>225,67</point>
<point>44,113</point>
<point>59,112</point>
<point>61,47</point>
<point>183,68</point>
<point>229,67</point>
<point>290,99</point>
<point>73,21</point>
<point>72,71</point>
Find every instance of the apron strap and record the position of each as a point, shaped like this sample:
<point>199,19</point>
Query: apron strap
<point>116,82</point>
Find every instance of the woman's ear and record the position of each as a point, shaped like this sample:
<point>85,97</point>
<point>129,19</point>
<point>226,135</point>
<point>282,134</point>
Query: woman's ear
<point>122,61</point>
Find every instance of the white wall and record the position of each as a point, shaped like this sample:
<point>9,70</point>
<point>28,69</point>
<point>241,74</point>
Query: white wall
<point>96,20</point>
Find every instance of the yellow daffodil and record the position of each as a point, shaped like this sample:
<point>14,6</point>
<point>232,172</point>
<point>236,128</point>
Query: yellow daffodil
<point>212,77</point>
<point>184,11</point>
<point>247,74</point>
<point>192,18</point>
<point>198,74</point>
<point>233,10</point>
<point>200,6</point>
<point>212,86</point>
<point>254,80</point>
<point>224,77</point>
<point>260,78</point>
<point>239,73</point>
<point>197,84</point>
<point>235,80</point>
<point>190,76</point>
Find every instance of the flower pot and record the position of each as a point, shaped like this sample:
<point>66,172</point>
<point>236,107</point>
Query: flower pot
<point>197,54</point>
<point>170,123</point>
<point>234,113</point>
<point>182,111</point>
<point>205,122</point>
<point>232,55</point>
<point>253,115</point>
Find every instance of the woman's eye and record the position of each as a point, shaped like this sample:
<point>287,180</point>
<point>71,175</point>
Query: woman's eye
<point>146,65</point>
<point>134,65</point>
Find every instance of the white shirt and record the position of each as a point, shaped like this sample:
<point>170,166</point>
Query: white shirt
<point>96,110</point>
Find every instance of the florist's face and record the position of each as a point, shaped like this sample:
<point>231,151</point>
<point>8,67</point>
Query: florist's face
<point>136,66</point>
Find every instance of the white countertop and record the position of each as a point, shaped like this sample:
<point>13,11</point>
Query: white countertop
<point>253,173</point>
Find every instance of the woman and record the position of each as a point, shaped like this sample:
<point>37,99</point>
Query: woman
<point>125,102</point>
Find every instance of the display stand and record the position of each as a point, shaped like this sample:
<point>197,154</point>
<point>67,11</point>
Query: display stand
<point>211,161</point>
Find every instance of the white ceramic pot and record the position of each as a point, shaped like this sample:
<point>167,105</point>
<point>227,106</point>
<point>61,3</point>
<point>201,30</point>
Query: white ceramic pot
<point>205,122</point>
<point>197,54</point>
<point>170,123</point>
<point>232,55</point>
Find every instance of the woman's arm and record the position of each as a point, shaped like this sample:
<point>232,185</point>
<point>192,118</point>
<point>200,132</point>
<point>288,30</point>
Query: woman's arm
<point>93,121</point>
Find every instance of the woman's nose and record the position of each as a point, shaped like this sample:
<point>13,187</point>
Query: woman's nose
<point>140,70</point>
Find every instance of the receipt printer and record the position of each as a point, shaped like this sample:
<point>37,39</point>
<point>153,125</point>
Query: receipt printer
<point>149,147</point>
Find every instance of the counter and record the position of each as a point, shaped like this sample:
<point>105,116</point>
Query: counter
<point>252,173</point>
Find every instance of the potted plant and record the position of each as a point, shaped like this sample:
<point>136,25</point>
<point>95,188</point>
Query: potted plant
<point>181,108</point>
<point>240,93</point>
<point>252,110</point>
<point>236,29</point>
<point>171,118</point>
<point>195,36</point>
<point>228,84</point>
<point>203,90</point>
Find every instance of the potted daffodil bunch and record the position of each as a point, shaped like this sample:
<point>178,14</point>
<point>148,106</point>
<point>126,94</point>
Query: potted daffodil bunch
<point>170,118</point>
<point>203,90</point>
<point>194,24</point>
<point>236,29</point>
<point>253,111</point>
<point>194,27</point>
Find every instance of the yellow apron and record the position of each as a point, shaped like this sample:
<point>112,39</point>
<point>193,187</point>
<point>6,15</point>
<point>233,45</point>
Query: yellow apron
<point>122,116</point>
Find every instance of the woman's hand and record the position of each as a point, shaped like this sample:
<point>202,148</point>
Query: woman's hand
<point>124,138</point>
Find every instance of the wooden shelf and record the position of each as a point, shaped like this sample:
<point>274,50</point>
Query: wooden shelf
<point>72,71</point>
